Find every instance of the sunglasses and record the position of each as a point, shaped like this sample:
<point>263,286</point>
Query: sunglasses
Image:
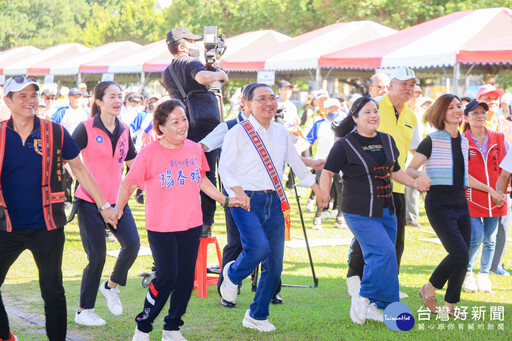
<point>21,79</point>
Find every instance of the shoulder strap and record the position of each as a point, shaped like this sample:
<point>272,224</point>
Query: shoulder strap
<point>231,123</point>
<point>272,173</point>
<point>178,84</point>
<point>265,157</point>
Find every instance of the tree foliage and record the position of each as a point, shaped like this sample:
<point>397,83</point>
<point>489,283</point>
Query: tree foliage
<point>44,23</point>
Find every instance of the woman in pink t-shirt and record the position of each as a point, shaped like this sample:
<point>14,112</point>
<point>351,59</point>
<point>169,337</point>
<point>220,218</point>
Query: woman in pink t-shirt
<point>172,172</point>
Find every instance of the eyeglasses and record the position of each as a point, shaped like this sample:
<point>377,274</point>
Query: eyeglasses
<point>264,100</point>
<point>474,113</point>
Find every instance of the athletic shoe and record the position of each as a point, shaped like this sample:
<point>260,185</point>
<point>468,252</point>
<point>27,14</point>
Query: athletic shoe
<point>500,271</point>
<point>109,236</point>
<point>374,313</point>
<point>340,223</point>
<point>88,317</point>
<point>483,282</point>
<point>112,297</point>
<point>353,285</point>
<point>260,325</point>
<point>469,284</point>
<point>310,206</point>
<point>359,309</point>
<point>172,335</point>
<point>140,336</point>
<point>402,295</point>
<point>326,215</point>
<point>334,214</point>
<point>228,289</point>
<point>317,224</point>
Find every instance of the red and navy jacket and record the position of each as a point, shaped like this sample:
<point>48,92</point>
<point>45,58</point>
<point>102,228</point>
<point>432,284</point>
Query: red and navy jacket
<point>487,171</point>
<point>52,189</point>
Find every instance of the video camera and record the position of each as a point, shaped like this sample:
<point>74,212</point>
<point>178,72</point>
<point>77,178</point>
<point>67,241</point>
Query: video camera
<point>214,45</point>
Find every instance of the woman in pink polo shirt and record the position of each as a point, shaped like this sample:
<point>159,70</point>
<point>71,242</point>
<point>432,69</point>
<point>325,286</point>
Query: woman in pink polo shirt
<point>172,172</point>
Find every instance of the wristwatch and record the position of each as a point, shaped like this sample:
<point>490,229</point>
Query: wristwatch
<point>104,207</point>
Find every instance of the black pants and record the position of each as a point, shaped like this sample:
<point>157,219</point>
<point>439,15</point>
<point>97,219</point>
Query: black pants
<point>175,255</point>
<point>355,255</point>
<point>46,247</point>
<point>452,224</point>
<point>92,232</point>
<point>208,205</point>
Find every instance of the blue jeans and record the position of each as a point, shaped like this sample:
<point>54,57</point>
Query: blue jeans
<point>483,230</point>
<point>377,236</point>
<point>262,236</point>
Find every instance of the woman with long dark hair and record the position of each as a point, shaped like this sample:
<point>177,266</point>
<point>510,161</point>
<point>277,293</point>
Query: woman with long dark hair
<point>368,160</point>
<point>105,145</point>
<point>445,154</point>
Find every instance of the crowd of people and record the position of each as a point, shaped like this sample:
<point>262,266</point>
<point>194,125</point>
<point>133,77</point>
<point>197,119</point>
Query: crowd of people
<point>385,149</point>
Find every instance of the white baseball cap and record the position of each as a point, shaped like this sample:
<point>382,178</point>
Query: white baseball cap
<point>17,83</point>
<point>404,73</point>
<point>332,101</point>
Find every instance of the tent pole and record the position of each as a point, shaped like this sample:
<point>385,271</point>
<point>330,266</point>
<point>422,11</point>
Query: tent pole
<point>318,78</point>
<point>311,75</point>
<point>456,76</point>
<point>142,80</point>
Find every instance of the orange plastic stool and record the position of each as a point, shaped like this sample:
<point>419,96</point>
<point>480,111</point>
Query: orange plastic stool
<point>201,279</point>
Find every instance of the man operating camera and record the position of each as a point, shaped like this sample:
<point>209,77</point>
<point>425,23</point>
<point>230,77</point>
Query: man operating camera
<point>186,79</point>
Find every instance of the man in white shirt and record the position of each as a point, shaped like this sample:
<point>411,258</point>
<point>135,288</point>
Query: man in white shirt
<point>70,116</point>
<point>260,219</point>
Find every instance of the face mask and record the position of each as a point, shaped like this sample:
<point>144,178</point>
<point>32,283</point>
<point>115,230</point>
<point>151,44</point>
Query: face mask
<point>193,52</point>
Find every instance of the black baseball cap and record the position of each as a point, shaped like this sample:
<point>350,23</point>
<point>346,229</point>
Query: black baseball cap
<point>178,33</point>
<point>473,105</point>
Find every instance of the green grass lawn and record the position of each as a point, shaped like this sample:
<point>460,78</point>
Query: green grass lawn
<point>307,313</point>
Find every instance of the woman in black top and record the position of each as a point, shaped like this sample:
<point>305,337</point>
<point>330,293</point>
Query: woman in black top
<point>368,160</point>
<point>445,154</point>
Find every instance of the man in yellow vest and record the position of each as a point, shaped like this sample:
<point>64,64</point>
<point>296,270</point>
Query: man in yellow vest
<point>399,121</point>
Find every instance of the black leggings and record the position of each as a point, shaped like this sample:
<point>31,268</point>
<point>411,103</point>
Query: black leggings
<point>452,224</point>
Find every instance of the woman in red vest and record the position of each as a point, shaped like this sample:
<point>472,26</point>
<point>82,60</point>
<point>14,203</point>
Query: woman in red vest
<point>487,149</point>
<point>105,145</point>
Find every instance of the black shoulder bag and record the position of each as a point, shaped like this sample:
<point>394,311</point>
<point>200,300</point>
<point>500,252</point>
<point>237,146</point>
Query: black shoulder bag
<point>202,106</point>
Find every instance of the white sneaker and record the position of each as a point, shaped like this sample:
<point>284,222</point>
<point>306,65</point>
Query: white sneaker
<point>88,317</point>
<point>326,215</point>
<point>228,289</point>
<point>483,282</point>
<point>310,206</point>
<point>260,325</point>
<point>340,223</point>
<point>172,335</point>
<point>353,285</point>
<point>374,313</point>
<point>112,297</point>
<point>140,336</point>
<point>469,284</point>
<point>402,295</point>
<point>334,213</point>
<point>317,224</point>
<point>358,309</point>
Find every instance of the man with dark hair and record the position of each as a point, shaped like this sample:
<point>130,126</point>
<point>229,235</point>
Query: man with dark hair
<point>32,152</point>
<point>192,75</point>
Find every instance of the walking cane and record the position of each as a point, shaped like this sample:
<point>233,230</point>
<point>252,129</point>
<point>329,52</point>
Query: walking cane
<point>315,279</point>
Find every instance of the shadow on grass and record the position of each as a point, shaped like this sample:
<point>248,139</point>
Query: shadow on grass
<point>307,314</point>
